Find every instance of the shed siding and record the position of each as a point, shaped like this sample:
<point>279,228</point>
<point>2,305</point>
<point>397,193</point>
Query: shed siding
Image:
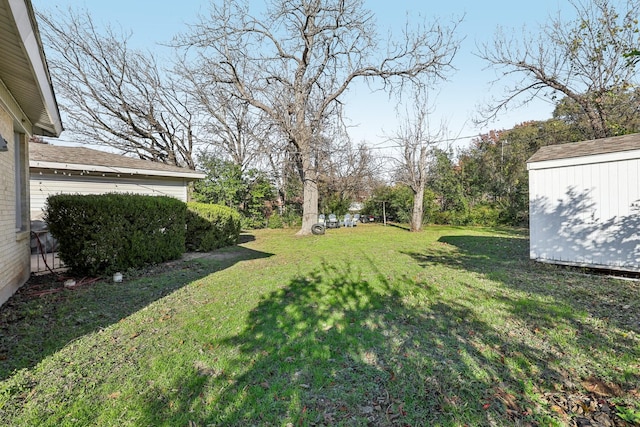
<point>14,244</point>
<point>42,186</point>
<point>586,214</point>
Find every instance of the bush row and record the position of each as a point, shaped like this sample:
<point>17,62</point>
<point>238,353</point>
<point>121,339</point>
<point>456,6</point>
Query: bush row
<point>102,234</point>
<point>211,227</point>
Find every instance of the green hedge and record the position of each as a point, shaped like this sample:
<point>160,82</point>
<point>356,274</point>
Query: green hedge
<point>101,234</point>
<point>211,226</point>
<point>482,214</point>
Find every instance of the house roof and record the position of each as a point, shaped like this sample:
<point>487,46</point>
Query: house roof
<point>593,147</point>
<point>47,156</point>
<point>24,74</point>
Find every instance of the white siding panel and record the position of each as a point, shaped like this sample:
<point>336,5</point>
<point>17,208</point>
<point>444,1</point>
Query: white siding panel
<point>42,186</point>
<point>633,181</point>
<point>586,214</point>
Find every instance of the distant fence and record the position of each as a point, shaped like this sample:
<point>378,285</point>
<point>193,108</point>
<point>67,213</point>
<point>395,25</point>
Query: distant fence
<point>44,252</point>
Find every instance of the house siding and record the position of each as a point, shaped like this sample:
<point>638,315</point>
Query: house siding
<point>46,183</point>
<point>14,245</point>
<point>586,213</point>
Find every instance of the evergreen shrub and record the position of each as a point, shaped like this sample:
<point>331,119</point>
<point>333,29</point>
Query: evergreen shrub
<point>104,233</point>
<point>211,226</point>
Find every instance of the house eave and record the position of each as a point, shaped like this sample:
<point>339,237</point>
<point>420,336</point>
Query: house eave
<point>49,123</point>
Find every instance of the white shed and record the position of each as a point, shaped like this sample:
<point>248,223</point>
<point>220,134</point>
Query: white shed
<point>584,203</point>
<point>57,169</point>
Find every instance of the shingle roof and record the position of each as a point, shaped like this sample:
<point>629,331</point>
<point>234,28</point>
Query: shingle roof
<point>77,158</point>
<point>593,147</point>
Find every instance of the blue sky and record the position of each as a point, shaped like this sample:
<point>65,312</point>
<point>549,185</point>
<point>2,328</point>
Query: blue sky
<point>373,115</point>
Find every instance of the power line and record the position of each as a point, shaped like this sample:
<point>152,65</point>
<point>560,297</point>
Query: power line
<point>399,145</point>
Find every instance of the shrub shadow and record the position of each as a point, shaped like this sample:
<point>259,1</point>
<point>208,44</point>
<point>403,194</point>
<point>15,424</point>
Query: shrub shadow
<point>44,316</point>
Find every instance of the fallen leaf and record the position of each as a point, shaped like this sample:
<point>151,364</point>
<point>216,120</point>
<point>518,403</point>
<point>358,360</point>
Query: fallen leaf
<point>508,399</point>
<point>600,388</point>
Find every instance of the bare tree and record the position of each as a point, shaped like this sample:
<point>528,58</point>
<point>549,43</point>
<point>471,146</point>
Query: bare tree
<point>416,142</point>
<point>296,61</point>
<point>582,58</point>
<point>117,96</point>
<point>232,128</point>
<point>346,171</point>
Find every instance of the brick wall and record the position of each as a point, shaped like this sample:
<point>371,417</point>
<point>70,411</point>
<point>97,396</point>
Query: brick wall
<point>14,246</point>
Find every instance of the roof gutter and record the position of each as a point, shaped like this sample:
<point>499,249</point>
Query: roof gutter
<point>113,169</point>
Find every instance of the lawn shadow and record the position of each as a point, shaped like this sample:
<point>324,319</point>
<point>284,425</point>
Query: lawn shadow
<point>44,316</point>
<point>246,238</point>
<point>506,260</point>
<point>338,346</point>
<point>550,299</point>
<point>400,226</point>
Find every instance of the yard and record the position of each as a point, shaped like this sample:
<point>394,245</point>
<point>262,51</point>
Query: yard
<point>362,326</point>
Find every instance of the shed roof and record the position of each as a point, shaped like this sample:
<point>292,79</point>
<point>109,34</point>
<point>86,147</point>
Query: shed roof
<point>47,156</point>
<point>592,147</point>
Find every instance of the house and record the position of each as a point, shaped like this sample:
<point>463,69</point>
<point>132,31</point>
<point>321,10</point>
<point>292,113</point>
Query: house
<point>81,170</point>
<point>584,202</point>
<point>27,107</point>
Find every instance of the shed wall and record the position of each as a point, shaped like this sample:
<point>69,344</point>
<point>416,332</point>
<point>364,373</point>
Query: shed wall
<point>586,214</point>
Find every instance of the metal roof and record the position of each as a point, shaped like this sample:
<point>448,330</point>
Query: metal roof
<point>47,156</point>
<point>615,144</point>
<point>23,68</point>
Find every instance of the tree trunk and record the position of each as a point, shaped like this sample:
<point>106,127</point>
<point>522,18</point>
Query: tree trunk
<point>309,176</point>
<point>597,122</point>
<point>310,202</point>
<point>417,213</point>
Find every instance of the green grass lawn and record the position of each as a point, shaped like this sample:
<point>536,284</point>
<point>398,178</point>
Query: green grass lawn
<point>364,326</point>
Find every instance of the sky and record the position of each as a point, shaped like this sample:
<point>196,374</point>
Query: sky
<point>372,116</point>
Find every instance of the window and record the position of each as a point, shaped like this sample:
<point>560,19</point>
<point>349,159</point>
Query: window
<point>21,162</point>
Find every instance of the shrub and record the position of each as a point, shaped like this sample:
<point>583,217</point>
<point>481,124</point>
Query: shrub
<point>275,221</point>
<point>482,214</point>
<point>101,234</point>
<point>450,218</point>
<point>292,218</point>
<point>485,214</point>
<point>211,227</point>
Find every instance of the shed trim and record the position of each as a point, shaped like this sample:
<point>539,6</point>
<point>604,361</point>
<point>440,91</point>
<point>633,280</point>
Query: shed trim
<point>584,160</point>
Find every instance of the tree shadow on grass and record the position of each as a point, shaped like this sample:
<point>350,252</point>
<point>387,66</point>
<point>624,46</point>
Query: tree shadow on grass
<point>506,260</point>
<point>43,316</point>
<point>594,315</point>
<point>340,347</point>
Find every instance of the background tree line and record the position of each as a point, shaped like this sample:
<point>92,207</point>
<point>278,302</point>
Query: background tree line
<point>254,101</point>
